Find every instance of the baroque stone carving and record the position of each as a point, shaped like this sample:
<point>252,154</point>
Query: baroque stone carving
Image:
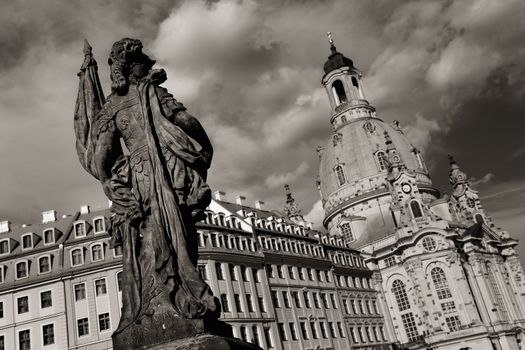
<point>157,186</point>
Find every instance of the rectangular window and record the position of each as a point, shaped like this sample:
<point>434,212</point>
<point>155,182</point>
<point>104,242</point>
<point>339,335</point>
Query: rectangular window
<point>202,271</point>
<point>1,309</point>
<point>103,322</point>
<point>80,291</point>
<point>314,330</point>
<point>2,342</point>
<point>83,326</point>
<point>233,276</point>
<point>310,274</point>
<point>100,287</point>
<point>24,340</point>
<point>340,329</point>
<point>301,273</point>
<point>80,229</point>
<point>261,304</point>
<point>225,304</point>
<point>453,323</point>
<point>49,236</point>
<point>44,264</point>
<point>23,304</point>
<point>332,300</point>
<point>27,241</point>
<point>286,300</point>
<point>275,299</point>
<point>322,325</point>
<point>303,330</point>
<point>448,306</point>
<point>48,333</point>
<point>249,301</point>
<point>361,336</point>
<point>316,300</point>
<point>282,331</point>
<point>293,332</point>
<point>297,302</point>
<point>238,304</point>
<point>352,334</point>
<point>99,225</point>
<point>410,326</point>
<point>332,330</point>
<point>268,337</point>
<point>269,271</point>
<point>391,260</point>
<point>218,270</point>
<point>4,246</point>
<point>46,299</point>
<point>290,272</point>
<point>280,271</point>
<point>325,301</point>
<point>306,300</point>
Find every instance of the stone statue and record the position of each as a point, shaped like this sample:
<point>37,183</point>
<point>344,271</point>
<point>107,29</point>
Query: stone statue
<point>151,157</point>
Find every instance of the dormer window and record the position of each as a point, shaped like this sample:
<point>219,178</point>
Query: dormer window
<point>382,161</point>
<point>49,236</point>
<point>339,92</point>
<point>77,257</point>
<point>27,241</point>
<point>416,209</point>
<point>99,225</point>
<point>44,264</point>
<point>97,253</point>
<point>80,229</point>
<point>21,270</point>
<point>4,247</point>
<point>339,172</point>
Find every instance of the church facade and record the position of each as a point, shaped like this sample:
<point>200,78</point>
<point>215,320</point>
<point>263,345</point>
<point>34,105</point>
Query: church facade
<point>448,279</point>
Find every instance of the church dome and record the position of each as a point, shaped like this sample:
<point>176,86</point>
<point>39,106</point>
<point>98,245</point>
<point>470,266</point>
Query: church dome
<point>336,60</point>
<point>354,160</point>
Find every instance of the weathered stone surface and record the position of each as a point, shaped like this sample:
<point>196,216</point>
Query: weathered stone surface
<point>205,342</point>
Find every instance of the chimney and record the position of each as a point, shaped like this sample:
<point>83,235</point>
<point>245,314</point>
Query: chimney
<point>84,209</point>
<point>219,195</point>
<point>4,226</point>
<point>259,205</point>
<point>49,216</point>
<point>240,200</point>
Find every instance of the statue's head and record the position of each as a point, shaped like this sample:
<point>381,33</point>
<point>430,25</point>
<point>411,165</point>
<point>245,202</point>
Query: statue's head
<point>127,63</point>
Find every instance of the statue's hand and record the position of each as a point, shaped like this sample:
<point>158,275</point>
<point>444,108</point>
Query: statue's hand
<point>135,214</point>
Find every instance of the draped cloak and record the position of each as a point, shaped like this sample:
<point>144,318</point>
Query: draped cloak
<point>172,276</point>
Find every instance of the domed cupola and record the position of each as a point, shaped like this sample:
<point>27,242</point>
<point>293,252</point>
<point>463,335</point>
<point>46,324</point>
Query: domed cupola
<point>355,162</point>
<point>336,60</point>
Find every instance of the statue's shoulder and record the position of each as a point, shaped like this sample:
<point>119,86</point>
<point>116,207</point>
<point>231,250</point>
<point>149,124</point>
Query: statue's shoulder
<point>170,105</point>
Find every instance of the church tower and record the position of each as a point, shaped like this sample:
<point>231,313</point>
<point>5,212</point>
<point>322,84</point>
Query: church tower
<point>354,164</point>
<point>446,278</point>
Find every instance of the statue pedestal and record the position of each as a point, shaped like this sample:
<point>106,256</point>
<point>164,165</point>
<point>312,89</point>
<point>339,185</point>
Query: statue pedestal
<point>206,342</point>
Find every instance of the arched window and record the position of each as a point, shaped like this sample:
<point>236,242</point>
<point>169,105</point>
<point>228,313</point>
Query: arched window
<point>419,160</point>
<point>355,83</point>
<point>256,340</point>
<point>339,92</point>
<point>225,304</point>
<point>440,283</point>
<point>21,270</point>
<point>44,264</point>
<point>398,289</point>
<point>244,334</point>
<point>97,253</point>
<point>479,219</point>
<point>343,119</point>
<point>340,174</point>
<point>119,281</point>
<point>346,231</point>
<point>416,209</point>
<point>382,161</point>
<point>77,257</point>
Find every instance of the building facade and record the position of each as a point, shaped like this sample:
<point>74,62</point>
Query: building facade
<point>447,277</point>
<point>281,284</point>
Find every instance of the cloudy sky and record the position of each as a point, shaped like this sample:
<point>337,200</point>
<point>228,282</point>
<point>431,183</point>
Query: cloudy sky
<point>451,71</point>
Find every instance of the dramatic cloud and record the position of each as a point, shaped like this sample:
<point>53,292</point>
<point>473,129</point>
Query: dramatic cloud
<point>450,71</point>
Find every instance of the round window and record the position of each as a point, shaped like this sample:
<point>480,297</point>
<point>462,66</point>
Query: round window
<point>471,203</point>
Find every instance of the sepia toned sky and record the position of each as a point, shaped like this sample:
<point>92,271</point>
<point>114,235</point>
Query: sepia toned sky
<point>451,71</point>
